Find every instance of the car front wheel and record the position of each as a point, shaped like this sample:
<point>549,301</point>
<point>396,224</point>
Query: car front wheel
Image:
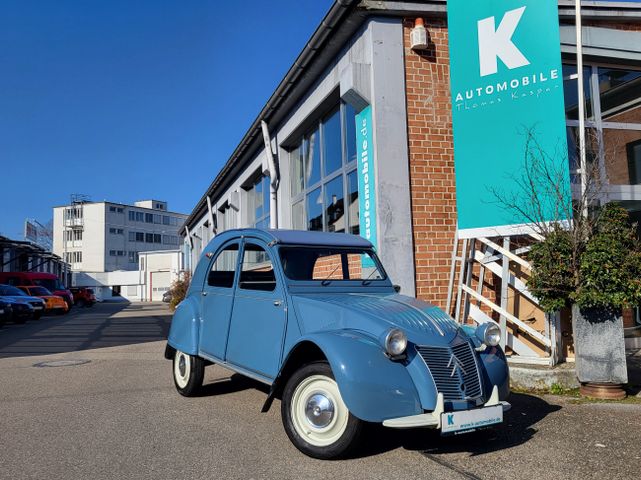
<point>189,372</point>
<point>314,415</point>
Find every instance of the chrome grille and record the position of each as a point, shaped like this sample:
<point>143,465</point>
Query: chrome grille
<point>454,370</point>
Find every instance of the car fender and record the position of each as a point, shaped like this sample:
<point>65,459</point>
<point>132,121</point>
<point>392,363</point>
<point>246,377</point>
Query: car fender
<point>185,327</point>
<point>373,387</point>
<point>495,371</point>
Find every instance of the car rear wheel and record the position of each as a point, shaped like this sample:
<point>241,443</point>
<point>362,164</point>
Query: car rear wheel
<point>189,372</point>
<point>314,415</point>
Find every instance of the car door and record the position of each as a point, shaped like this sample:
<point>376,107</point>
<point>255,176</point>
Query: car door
<point>218,301</point>
<point>259,316</point>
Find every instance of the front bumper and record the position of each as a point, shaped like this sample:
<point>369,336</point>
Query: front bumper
<point>433,419</point>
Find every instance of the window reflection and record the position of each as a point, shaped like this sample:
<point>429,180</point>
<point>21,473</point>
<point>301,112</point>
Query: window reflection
<point>332,143</point>
<point>570,91</point>
<point>335,206</point>
<point>315,210</point>
<point>296,170</point>
<point>620,93</point>
<point>312,159</point>
<point>352,196</point>
<point>622,152</point>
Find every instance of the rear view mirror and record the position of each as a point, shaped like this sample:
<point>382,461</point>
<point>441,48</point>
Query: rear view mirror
<point>397,288</point>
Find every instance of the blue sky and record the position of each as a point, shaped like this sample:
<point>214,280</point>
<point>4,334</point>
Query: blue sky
<point>125,100</point>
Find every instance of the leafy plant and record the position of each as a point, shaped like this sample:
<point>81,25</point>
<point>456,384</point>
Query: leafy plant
<point>179,289</point>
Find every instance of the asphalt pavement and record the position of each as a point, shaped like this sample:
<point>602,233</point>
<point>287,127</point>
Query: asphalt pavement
<point>90,396</point>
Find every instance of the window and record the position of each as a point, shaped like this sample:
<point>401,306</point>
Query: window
<point>323,175</point>
<point>149,218</point>
<point>116,231</point>
<point>157,238</point>
<point>258,203</point>
<point>223,268</point>
<point>170,240</point>
<point>165,220</point>
<point>132,236</point>
<point>140,237</point>
<point>133,257</point>
<point>257,271</point>
<point>72,235</point>
<point>116,209</point>
<point>112,253</point>
<point>120,210</point>
<point>149,237</point>
<point>157,218</point>
<point>132,216</point>
<point>330,264</point>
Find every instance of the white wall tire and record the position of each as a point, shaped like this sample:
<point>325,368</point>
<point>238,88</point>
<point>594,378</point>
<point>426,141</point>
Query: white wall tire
<point>315,416</point>
<point>188,373</point>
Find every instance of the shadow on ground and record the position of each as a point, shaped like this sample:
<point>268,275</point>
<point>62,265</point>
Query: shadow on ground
<point>103,325</point>
<point>518,428</point>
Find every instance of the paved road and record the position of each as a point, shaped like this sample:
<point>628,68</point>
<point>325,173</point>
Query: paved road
<point>118,416</point>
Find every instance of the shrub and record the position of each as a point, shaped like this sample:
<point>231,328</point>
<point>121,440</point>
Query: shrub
<point>179,289</point>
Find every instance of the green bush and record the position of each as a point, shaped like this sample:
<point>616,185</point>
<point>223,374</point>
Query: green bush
<point>179,289</point>
<point>601,269</point>
<point>610,267</point>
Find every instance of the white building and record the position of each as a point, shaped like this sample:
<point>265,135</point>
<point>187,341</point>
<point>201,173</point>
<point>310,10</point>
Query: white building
<point>103,242</point>
<point>157,271</point>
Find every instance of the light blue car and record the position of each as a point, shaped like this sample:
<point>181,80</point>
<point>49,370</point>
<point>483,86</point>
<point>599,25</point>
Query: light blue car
<point>314,316</point>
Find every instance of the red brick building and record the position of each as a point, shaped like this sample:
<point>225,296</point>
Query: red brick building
<point>361,59</point>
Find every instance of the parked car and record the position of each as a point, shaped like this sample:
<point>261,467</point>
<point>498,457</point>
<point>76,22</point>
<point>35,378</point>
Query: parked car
<point>83,296</point>
<point>48,280</point>
<point>317,319</point>
<point>53,303</point>
<point>6,312</point>
<point>35,306</point>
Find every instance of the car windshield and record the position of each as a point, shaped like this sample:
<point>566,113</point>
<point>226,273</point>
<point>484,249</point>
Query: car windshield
<point>12,291</point>
<point>51,284</point>
<point>330,264</point>
<point>39,291</point>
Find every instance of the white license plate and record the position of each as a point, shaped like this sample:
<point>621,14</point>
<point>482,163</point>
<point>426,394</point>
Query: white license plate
<point>37,307</point>
<point>471,419</point>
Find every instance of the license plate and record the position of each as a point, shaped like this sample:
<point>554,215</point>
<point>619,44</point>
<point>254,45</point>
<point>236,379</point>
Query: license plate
<point>471,419</point>
<point>37,307</point>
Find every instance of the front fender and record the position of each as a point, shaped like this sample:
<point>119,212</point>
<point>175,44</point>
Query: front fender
<point>373,387</point>
<point>495,371</point>
<point>185,327</point>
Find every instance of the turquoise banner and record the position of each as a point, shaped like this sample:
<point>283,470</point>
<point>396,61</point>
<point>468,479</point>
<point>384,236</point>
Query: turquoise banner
<point>366,179</point>
<point>507,86</point>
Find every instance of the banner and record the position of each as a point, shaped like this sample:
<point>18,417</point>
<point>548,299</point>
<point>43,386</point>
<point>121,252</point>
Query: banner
<point>507,86</point>
<point>366,179</point>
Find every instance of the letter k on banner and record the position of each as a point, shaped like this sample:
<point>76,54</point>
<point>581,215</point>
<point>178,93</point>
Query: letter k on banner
<point>497,43</point>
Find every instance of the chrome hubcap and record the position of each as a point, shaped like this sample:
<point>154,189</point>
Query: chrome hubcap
<point>319,410</point>
<point>181,365</point>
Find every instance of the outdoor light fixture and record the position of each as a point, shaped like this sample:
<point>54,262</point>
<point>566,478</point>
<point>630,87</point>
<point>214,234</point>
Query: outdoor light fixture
<point>418,35</point>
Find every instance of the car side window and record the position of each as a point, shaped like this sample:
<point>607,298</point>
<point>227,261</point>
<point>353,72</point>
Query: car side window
<point>257,272</point>
<point>223,268</point>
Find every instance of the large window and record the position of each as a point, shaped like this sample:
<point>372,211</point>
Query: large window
<point>222,270</point>
<point>257,271</point>
<point>323,175</point>
<point>613,123</point>
<point>258,203</point>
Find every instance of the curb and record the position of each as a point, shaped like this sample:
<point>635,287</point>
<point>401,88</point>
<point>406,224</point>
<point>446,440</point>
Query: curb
<point>535,377</point>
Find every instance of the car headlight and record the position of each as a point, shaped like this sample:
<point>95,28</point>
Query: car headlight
<point>489,333</point>
<point>395,342</point>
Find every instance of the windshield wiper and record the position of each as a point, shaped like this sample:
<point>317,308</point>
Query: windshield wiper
<point>327,280</point>
<point>367,281</point>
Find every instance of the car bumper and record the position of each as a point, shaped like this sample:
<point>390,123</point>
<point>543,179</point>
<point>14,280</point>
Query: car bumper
<point>435,419</point>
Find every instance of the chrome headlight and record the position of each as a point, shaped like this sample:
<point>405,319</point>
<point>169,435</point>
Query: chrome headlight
<point>489,333</point>
<point>395,342</point>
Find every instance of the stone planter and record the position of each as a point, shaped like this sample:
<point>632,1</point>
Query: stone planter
<point>600,351</point>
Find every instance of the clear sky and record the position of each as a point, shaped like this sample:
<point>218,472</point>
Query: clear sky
<point>133,99</point>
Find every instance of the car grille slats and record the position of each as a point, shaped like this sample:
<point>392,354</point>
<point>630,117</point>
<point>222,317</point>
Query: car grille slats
<point>454,370</point>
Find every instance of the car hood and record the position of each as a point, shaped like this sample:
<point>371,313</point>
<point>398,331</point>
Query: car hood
<point>424,323</point>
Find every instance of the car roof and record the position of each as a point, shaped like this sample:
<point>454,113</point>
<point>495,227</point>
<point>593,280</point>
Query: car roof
<point>301,237</point>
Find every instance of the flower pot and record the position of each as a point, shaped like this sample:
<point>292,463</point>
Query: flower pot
<point>600,350</point>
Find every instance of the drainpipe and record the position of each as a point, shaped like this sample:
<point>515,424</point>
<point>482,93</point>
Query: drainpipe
<point>274,177</point>
<point>210,214</point>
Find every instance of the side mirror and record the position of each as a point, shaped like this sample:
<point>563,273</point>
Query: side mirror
<point>397,288</point>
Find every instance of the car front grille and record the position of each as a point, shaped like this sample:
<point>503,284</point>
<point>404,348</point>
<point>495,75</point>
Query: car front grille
<point>454,370</point>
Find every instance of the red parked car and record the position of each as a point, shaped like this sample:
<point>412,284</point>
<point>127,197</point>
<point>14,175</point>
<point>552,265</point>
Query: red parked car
<point>48,280</point>
<point>83,297</point>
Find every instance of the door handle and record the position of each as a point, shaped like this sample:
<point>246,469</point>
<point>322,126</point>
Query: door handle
<point>204,294</point>
<point>277,303</point>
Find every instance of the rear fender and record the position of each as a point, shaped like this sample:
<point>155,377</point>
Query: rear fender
<point>185,327</point>
<point>373,387</point>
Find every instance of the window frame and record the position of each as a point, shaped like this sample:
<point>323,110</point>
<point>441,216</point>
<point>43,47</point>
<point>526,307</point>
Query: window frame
<point>213,260</point>
<point>241,260</point>
<point>347,167</point>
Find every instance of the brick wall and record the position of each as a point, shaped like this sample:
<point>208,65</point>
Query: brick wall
<point>431,158</point>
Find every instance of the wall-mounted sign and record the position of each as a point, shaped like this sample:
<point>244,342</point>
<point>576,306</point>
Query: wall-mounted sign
<point>366,179</point>
<point>506,85</point>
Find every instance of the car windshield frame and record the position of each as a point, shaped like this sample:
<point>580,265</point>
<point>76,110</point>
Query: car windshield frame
<point>334,250</point>
<point>32,292</point>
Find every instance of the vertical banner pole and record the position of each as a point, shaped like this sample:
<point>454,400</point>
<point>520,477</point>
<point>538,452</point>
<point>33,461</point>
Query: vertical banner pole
<point>581,96</point>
